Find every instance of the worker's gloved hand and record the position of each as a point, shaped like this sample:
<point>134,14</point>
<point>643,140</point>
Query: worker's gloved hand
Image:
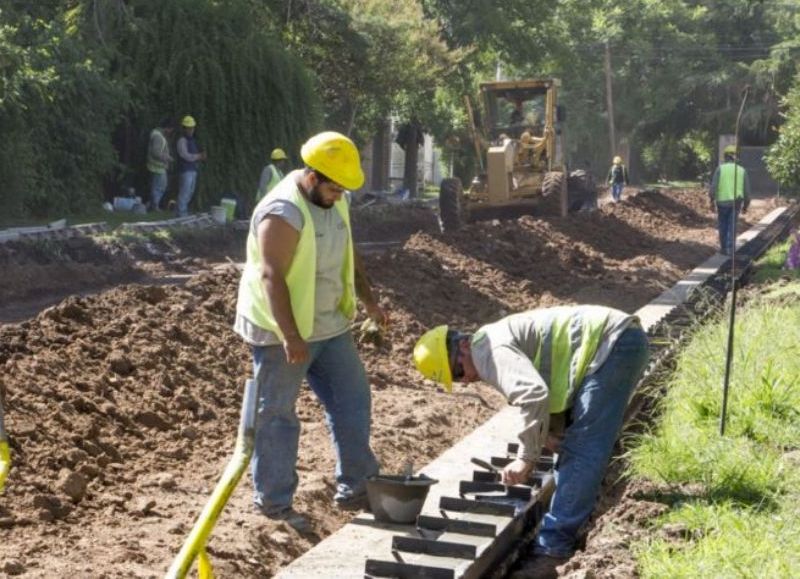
<point>296,349</point>
<point>377,315</point>
<point>517,472</point>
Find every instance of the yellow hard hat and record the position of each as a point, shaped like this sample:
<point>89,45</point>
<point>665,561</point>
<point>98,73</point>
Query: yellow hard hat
<point>336,157</point>
<point>278,155</point>
<point>617,160</point>
<point>431,359</point>
<point>729,150</point>
<point>188,121</point>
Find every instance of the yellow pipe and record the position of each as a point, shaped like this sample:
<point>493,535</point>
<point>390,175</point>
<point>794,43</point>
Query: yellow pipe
<point>5,452</point>
<point>194,547</point>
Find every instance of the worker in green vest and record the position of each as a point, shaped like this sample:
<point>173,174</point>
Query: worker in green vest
<point>272,174</point>
<point>296,302</point>
<point>730,194</point>
<point>571,371</point>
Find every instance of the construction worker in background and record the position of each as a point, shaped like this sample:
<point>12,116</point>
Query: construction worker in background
<point>189,156</point>
<point>297,298</point>
<point>272,173</point>
<point>158,160</point>
<point>617,178</point>
<point>571,371</point>
<point>730,194</point>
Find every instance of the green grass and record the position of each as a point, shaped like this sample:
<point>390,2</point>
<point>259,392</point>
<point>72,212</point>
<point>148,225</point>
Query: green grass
<point>770,266</point>
<point>736,495</point>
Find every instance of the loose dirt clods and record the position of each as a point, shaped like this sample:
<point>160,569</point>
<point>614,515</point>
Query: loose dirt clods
<point>122,406</point>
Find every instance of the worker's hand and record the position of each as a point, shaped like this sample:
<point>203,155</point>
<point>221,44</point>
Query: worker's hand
<point>517,472</point>
<point>296,349</point>
<point>553,443</point>
<point>377,315</point>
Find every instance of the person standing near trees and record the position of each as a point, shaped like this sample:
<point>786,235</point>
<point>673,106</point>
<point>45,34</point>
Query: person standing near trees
<point>272,173</point>
<point>573,365</point>
<point>297,297</point>
<point>617,178</point>
<point>730,194</point>
<point>189,155</point>
<point>158,160</point>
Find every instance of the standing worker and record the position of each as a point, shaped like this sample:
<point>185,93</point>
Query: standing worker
<point>158,160</point>
<point>571,365</point>
<point>189,155</point>
<point>297,297</point>
<point>730,193</point>
<point>272,173</point>
<point>617,178</point>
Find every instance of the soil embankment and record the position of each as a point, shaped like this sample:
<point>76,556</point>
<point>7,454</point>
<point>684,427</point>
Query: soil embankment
<point>122,407</point>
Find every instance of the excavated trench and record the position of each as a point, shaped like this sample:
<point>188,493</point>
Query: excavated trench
<point>122,407</point>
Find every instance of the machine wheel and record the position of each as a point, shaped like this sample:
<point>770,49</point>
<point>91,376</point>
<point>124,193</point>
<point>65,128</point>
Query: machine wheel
<point>452,210</point>
<point>582,191</point>
<point>551,184</point>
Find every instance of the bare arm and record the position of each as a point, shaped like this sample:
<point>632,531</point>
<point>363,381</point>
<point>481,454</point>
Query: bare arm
<point>277,241</point>
<point>364,292</point>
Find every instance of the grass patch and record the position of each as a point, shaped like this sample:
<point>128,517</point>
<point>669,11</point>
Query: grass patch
<point>736,495</point>
<point>112,218</point>
<point>770,266</point>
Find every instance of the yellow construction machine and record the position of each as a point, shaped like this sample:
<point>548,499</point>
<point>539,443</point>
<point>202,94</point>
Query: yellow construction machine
<point>519,145</point>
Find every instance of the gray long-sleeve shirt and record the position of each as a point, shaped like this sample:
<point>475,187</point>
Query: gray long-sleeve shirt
<point>503,355</point>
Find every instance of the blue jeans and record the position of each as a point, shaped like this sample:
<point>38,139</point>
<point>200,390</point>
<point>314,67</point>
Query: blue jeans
<point>597,413</point>
<point>616,190</point>
<point>336,375</point>
<point>727,214</point>
<point>158,186</point>
<point>186,184</point>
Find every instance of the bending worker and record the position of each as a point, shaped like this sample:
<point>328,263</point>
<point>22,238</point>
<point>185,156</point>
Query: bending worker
<point>297,297</point>
<point>572,364</point>
<point>272,173</point>
<point>730,194</point>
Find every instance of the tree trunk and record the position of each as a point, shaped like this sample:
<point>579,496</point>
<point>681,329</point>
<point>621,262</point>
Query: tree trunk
<point>412,156</point>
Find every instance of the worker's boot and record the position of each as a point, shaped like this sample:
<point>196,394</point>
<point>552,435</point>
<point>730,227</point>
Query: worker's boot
<point>540,567</point>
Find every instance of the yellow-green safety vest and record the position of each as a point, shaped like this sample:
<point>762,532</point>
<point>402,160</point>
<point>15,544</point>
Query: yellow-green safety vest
<point>301,278</point>
<point>274,179</point>
<point>569,359</point>
<point>728,172</point>
<point>154,164</point>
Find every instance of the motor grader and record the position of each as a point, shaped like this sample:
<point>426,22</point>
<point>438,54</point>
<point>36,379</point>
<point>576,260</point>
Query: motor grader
<point>519,146</point>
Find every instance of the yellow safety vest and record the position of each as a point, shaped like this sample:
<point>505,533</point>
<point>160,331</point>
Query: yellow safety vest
<point>569,359</point>
<point>252,302</point>
<point>728,172</point>
<point>275,178</point>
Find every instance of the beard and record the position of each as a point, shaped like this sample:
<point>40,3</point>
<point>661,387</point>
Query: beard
<point>317,199</point>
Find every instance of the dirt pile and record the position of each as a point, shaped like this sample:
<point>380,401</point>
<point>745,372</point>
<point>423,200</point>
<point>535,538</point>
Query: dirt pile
<point>123,407</point>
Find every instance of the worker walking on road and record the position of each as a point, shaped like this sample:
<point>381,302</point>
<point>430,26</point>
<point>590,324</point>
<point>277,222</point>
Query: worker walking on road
<point>189,157</point>
<point>617,178</point>
<point>297,298</point>
<point>730,194</point>
<point>570,365</point>
<point>158,160</point>
<point>272,173</point>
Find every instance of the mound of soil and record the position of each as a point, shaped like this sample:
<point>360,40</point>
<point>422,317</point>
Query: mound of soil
<point>123,407</point>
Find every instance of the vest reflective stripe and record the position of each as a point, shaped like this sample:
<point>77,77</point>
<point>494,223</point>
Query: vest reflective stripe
<point>301,278</point>
<point>154,164</point>
<point>572,350</point>
<point>727,173</point>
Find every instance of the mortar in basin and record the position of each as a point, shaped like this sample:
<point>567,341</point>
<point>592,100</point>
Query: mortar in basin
<point>397,498</point>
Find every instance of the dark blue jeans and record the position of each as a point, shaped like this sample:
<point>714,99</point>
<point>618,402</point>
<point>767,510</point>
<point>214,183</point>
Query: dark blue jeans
<point>727,214</point>
<point>597,414</point>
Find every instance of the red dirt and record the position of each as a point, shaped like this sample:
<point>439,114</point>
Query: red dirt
<point>122,407</point>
